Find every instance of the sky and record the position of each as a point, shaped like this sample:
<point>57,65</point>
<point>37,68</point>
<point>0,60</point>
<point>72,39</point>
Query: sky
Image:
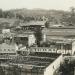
<point>30,4</point>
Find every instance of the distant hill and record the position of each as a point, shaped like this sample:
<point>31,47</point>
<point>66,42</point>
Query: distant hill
<point>56,16</point>
<point>38,12</point>
<point>7,22</point>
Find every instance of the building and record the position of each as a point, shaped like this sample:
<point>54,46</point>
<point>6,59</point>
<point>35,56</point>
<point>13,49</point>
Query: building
<point>7,45</point>
<point>27,32</point>
<point>35,64</point>
<point>8,48</point>
<point>26,38</point>
<point>32,25</point>
<point>63,37</point>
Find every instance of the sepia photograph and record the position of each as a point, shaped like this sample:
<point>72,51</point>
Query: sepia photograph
<point>37,37</point>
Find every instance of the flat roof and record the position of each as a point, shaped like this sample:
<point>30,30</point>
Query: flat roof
<point>34,23</point>
<point>59,32</point>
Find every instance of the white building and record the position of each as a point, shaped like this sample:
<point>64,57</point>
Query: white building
<point>26,38</point>
<point>73,47</point>
<point>8,48</point>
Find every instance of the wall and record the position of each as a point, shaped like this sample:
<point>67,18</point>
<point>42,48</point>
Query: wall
<point>73,47</point>
<point>31,40</point>
<point>8,48</point>
<point>50,50</point>
<point>6,31</point>
<point>52,67</point>
<point>44,37</point>
<point>46,49</point>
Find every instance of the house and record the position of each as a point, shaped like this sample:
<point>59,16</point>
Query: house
<point>32,25</point>
<point>26,38</point>
<point>8,48</point>
<point>63,37</point>
<point>29,29</point>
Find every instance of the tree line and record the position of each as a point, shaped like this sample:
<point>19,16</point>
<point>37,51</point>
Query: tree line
<point>56,17</point>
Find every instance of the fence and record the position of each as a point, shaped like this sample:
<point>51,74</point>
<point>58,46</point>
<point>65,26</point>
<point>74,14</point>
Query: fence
<point>52,67</point>
<point>46,49</point>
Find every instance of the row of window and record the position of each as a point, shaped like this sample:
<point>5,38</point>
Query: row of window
<point>52,49</point>
<point>29,28</point>
<point>41,50</point>
<point>65,47</point>
<point>46,50</point>
<point>7,50</point>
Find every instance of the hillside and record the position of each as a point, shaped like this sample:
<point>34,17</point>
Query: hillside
<point>52,15</point>
<point>38,12</point>
<point>15,16</point>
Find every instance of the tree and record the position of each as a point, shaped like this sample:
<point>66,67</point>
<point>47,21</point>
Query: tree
<point>68,18</point>
<point>16,70</point>
<point>47,24</point>
<point>19,16</point>
<point>8,14</point>
<point>72,16</point>
<point>46,44</point>
<point>72,11</point>
<point>1,13</point>
<point>1,71</point>
<point>38,35</point>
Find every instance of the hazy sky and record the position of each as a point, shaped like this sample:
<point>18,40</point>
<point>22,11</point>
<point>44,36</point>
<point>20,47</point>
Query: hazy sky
<point>45,4</point>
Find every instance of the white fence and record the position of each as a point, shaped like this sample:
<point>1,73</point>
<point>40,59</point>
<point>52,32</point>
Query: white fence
<point>46,49</point>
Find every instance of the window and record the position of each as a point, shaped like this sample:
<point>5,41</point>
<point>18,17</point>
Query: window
<point>0,49</point>
<point>4,49</point>
<point>12,49</point>
<point>8,49</point>
<point>38,49</point>
<point>49,49</point>
<point>45,49</point>
<point>35,49</point>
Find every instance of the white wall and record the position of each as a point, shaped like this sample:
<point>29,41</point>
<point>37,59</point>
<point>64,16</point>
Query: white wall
<point>44,37</point>
<point>31,40</point>
<point>6,48</point>
<point>52,67</point>
<point>6,31</point>
<point>73,47</point>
